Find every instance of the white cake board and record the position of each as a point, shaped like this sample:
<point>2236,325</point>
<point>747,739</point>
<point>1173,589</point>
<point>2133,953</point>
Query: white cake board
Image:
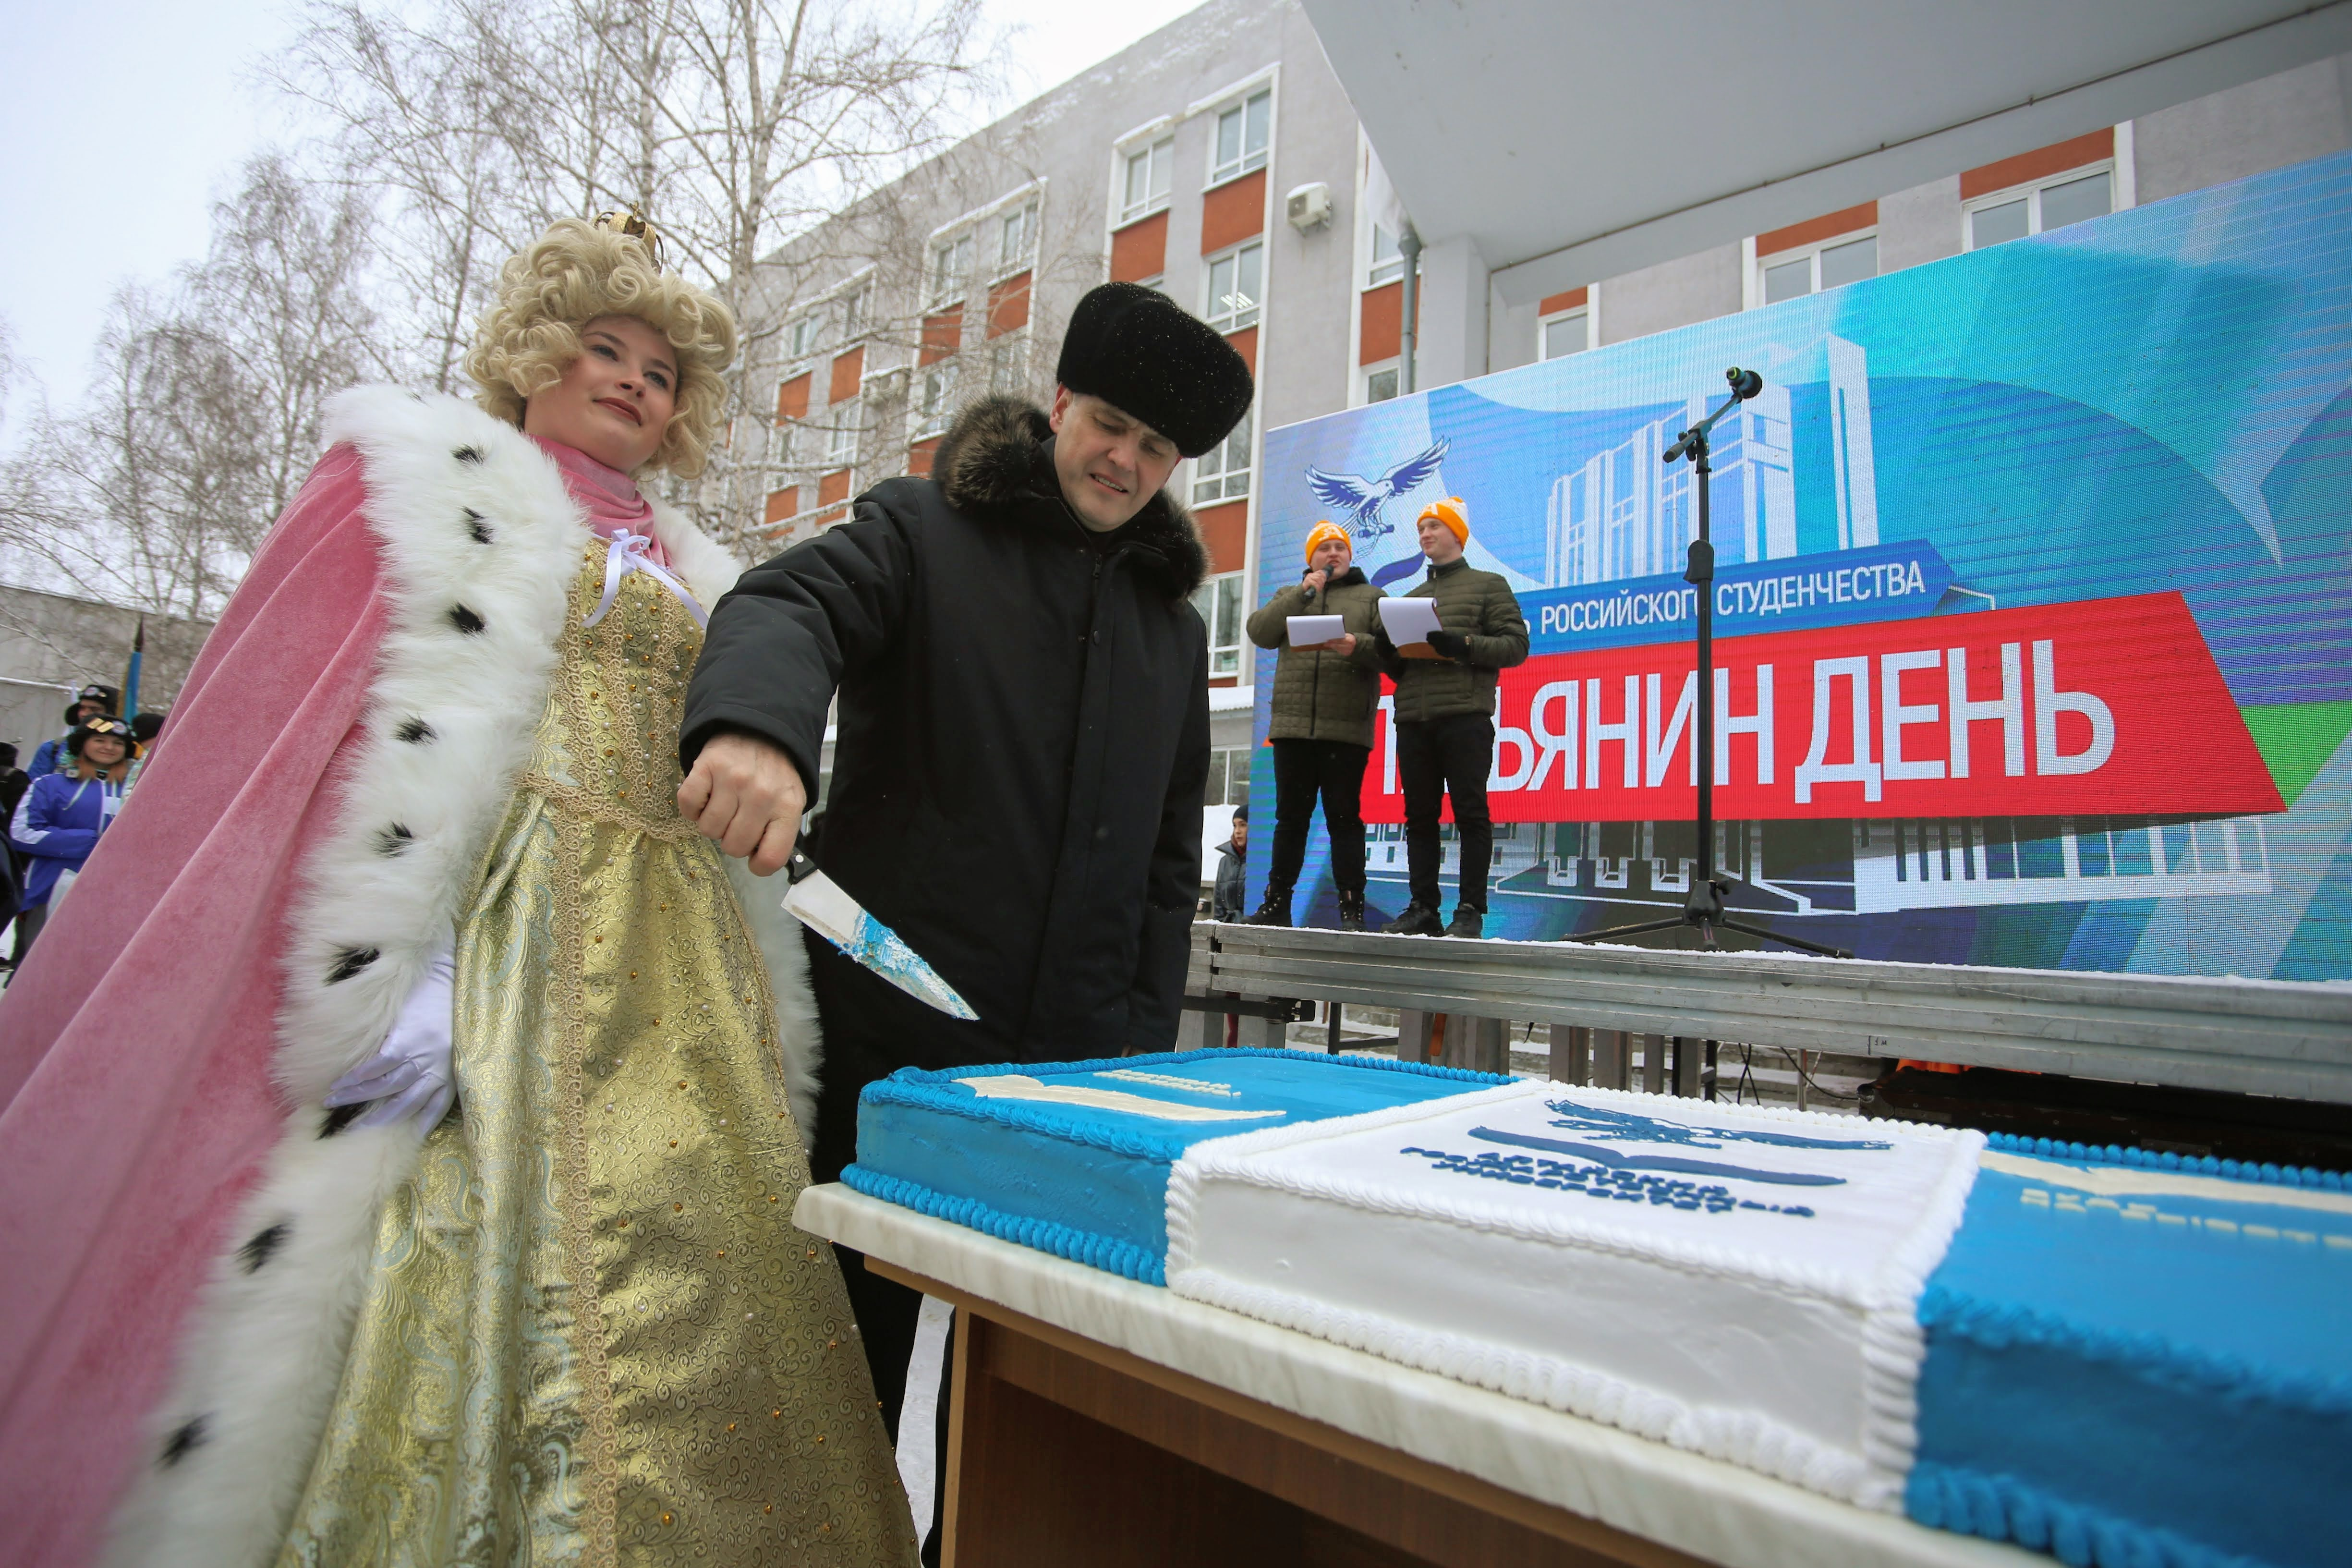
<point>1697,1505</point>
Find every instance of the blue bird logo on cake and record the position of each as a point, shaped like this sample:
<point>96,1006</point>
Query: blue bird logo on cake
<point>1625,1126</point>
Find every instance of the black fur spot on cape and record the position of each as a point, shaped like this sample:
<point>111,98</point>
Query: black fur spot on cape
<point>263,1246</point>
<point>350,961</point>
<point>185,1440</point>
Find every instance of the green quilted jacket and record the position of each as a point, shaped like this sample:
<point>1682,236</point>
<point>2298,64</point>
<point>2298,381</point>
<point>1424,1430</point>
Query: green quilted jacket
<point>1480,605</point>
<point>1322,696</point>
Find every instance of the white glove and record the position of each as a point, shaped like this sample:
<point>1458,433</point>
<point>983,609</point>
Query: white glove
<point>410,1074</point>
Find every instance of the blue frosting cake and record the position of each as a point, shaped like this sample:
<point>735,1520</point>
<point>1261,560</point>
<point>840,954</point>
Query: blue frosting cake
<point>2117,1358</point>
<point>2130,1364</point>
<point>1072,1158</point>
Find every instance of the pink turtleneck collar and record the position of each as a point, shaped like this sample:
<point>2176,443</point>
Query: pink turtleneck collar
<point>606,495</point>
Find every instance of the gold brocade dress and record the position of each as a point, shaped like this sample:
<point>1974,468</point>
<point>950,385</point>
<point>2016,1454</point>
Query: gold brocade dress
<point>591,1333</point>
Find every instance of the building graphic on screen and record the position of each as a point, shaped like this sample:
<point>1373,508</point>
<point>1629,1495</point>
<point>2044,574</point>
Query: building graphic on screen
<point>1627,514</point>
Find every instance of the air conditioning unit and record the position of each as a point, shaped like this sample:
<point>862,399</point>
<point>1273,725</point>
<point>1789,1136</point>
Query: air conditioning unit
<point>1309,207</point>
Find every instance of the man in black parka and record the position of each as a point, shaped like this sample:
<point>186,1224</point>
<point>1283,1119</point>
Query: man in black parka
<point>1023,725</point>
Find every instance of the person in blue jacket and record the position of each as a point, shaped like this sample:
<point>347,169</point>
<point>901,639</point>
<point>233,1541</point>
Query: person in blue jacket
<point>61,818</point>
<point>53,756</point>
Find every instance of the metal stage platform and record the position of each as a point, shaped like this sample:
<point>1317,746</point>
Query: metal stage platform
<point>2251,1037</point>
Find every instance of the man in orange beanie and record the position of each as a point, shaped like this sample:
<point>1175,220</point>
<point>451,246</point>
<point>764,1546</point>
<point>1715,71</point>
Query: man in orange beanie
<point>1324,695</point>
<point>1446,720</point>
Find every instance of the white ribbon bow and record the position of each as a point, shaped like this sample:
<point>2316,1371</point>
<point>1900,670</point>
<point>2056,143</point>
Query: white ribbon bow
<point>625,554</point>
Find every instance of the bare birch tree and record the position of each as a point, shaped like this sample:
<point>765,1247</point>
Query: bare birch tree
<point>206,411</point>
<point>733,124</point>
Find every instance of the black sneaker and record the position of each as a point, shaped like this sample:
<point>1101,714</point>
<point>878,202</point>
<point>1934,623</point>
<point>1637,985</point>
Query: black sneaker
<point>1274,910</point>
<point>1418,919</point>
<point>1467,922</point>
<point>1351,911</point>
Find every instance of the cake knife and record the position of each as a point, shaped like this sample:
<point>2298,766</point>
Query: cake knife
<point>818,902</point>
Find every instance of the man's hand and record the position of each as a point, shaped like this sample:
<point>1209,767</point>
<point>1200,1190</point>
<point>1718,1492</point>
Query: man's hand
<point>747,795</point>
<point>1449,644</point>
<point>1314,581</point>
<point>1343,645</point>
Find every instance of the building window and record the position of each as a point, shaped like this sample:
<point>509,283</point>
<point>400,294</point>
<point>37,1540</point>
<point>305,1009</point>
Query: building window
<point>1388,261</point>
<point>1236,285</point>
<point>1566,334</point>
<point>1380,382</point>
<point>841,440</point>
<point>1016,235</point>
<point>1219,600</point>
<point>1830,266</point>
<point>1223,472</point>
<point>2052,204</point>
<point>935,405</point>
<point>802,335</point>
<point>853,314</point>
<point>1007,362</point>
<point>1148,176</point>
<point>950,266</point>
<point>1228,776</point>
<point>1243,132</point>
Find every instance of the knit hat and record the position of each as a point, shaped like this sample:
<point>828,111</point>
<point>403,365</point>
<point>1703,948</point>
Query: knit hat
<point>1325,529</point>
<point>1138,350</point>
<point>99,724</point>
<point>93,693</point>
<point>1452,511</point>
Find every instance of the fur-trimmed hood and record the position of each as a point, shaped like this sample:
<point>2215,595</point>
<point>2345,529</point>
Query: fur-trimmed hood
<point>997,461</point>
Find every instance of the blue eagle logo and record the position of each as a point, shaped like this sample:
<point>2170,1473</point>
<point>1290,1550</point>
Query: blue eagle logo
<point>1356,501</point>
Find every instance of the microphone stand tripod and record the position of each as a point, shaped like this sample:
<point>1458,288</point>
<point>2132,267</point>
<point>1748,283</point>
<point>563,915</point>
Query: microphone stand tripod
<point>1704,907</point>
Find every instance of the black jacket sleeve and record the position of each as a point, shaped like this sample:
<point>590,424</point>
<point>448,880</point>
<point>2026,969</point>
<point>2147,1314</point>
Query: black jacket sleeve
<point>782,638</point>
<point>1174,891</point>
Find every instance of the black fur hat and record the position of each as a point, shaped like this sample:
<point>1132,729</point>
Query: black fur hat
<point>1137,349</point>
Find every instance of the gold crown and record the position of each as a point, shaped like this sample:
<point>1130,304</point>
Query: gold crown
<point>625,221</point>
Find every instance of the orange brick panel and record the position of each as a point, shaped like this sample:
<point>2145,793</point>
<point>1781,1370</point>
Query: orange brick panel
<point>1008,306</point>
<point>1245,344</point>
<point>920,455</point>
<point>1232,212</point>
<point>942,335</point>
<point>1225,530</point>
<point>1814,230</point>
<point>2035,165</point>
<point>1555,303</point>
<point>834,486</point>
<point>848,374</point>
<point>781,504</point>
<point>791,398</point>
<point>1141,250</point>
<point>1383,324</point>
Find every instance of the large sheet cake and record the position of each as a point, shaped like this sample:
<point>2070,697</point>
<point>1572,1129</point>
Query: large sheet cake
<point>2122,1359</point>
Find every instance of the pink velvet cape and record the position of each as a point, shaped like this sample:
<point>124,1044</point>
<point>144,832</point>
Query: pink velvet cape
<point>136,1102</point>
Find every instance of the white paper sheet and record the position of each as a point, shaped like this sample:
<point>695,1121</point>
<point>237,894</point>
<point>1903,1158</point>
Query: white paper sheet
<point>1409,621</point>
<point>1305,631</point>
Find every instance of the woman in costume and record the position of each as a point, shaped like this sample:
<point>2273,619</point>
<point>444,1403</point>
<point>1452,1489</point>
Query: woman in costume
<point>413,847</point>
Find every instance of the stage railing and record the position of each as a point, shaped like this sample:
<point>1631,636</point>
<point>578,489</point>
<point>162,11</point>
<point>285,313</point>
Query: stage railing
<point>2255,1036</point>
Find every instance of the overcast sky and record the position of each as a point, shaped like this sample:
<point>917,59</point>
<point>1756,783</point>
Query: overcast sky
<point>125,119</point>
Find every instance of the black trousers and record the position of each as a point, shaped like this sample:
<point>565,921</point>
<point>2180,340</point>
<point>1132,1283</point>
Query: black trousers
<point>1435,758</point>
<point>1302,770</point>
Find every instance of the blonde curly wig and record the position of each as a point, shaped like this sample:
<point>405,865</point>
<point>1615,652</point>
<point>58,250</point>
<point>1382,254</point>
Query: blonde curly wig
<point>574,273</point>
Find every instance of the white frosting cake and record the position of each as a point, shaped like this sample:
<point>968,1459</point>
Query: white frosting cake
<point>1738,1281</point>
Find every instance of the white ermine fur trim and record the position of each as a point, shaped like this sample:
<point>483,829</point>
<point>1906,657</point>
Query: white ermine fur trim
<point>479,544</point>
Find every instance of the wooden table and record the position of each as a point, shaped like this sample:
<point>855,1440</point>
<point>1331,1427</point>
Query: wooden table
<point>1102,1422</point>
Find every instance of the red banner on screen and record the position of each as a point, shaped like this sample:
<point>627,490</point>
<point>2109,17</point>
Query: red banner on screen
<point>2102,706</point>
